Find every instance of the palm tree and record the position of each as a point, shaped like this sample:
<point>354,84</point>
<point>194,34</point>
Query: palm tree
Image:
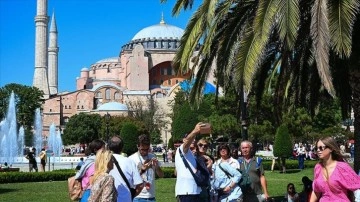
<point>250,40</point>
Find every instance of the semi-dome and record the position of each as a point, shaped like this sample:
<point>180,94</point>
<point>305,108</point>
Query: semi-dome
<point>161,30</point>
<point>113,106</point>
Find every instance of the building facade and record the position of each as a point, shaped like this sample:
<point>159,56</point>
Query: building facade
<point>142,70</point>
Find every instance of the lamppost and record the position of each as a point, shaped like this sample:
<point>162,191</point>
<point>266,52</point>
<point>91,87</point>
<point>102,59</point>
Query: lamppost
<point>244,124</point>
<point>107,121</point>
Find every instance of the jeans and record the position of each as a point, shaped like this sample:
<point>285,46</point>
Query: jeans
<point>188,198</point>
<point>144,199</point>
<point>85,196</point>
<point>301,159</point>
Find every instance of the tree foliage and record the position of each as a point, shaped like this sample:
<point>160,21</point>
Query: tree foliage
<point>82,128</point>
<point>149,113</point>
<point>27,100</point>
<point>129,133</point>
<point>283,145</point>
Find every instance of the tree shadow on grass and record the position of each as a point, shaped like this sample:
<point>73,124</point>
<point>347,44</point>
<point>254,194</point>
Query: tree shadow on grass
<point>5,190</point>
<point>290,171</point>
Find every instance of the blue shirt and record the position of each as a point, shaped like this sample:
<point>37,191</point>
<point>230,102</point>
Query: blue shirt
<point>220,180</point>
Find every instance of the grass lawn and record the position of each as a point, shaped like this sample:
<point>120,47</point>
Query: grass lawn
<point>57,191</point>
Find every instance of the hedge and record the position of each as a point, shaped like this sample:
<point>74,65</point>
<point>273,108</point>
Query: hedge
<point>64,174</point>
<point>15,177</point>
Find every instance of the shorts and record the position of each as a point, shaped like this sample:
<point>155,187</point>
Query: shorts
<point>33,166</point>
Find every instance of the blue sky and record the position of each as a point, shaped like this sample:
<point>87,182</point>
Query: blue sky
<point>88,31</point>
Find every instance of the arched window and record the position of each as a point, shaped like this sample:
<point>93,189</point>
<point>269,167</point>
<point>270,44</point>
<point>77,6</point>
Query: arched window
<point>107,94</point>
<point>117,96</point>
<point>98,94</point>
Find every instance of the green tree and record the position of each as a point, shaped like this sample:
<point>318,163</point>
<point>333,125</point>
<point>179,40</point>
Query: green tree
<point>309,40</point>
<point>82,128</point>
<point>129,133</point>
<point>155,137</point>
<point>282,145</point>
<point>299,123</point>
<point>27,100</point>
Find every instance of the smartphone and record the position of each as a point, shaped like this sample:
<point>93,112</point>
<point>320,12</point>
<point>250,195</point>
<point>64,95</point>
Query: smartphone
<point>205,128</point>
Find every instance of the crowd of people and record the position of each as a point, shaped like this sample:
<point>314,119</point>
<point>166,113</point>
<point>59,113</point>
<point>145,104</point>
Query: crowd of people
<point>233,174</point>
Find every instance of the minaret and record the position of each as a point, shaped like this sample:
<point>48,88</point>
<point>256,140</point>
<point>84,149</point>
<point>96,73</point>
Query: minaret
<point>41,24</point>
<point>53,51</point>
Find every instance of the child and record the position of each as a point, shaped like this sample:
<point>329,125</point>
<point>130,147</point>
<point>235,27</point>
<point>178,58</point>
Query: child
<point>291,195</point>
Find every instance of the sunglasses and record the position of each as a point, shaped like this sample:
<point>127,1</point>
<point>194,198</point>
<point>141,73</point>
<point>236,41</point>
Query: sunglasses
<point>203,145</point>
<point>291,187</point>
<point>192,148</point>
<point>320,148</point>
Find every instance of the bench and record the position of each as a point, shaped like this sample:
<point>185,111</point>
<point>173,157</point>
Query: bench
<point>9,169</point>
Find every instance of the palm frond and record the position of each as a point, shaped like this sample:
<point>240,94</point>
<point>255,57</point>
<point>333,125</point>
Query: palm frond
<point>213,21</point>
<point>264,18</point>
<point>195,29</point>
<point>341,17</point>
<point>289,19</point>
<point>320,36</point>
<point>250,55</point>
<point>180,4</point>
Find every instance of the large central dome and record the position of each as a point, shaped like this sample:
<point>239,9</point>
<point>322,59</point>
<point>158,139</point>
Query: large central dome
<point>161,30</point>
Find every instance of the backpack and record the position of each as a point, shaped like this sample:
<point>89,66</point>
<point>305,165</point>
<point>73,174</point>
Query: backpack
<point>75,189</point>
<point>202,175</point>
<point>245,182</point>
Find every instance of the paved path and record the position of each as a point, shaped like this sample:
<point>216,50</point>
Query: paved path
<point>24,167</point>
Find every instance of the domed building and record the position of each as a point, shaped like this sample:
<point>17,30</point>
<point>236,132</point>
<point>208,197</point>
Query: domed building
<point>141,71</point>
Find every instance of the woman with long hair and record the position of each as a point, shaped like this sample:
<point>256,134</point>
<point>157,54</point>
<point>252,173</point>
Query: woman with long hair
<point>102,184</point>
<point>334,179</point>
<point>291,194</point>
<point>88,168</point>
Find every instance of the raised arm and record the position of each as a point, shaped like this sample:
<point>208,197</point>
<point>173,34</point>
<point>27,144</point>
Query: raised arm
<point>191,137</point>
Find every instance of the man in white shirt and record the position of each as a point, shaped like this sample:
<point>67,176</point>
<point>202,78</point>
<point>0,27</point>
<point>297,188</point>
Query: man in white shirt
<point>147,165</point>
<point>186,189</point>
<point>129,169</point>
<point>301,155</point>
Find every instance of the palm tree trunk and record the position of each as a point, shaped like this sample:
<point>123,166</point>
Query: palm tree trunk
<point>354,75</point>
<point>355,87</point>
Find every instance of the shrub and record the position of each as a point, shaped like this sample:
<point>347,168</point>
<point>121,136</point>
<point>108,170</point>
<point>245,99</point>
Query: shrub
<point>14,177</point>
<point>283,145</point>
<point>129,133</point>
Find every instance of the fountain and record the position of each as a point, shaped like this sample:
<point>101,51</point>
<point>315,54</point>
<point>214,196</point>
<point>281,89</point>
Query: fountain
<point>55,141</point>
<point>11,143</point>
<point>38,137</point>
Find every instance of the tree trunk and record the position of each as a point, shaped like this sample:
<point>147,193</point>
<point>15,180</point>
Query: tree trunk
<point>355,87</point>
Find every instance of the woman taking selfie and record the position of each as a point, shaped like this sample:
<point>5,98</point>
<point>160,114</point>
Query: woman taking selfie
<point>334,179</point>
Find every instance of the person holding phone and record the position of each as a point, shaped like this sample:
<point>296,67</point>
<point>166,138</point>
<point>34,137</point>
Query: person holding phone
<point>148,165</point>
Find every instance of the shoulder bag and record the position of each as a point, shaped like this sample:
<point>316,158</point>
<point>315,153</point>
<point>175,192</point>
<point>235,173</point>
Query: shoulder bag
<point>132,190</point>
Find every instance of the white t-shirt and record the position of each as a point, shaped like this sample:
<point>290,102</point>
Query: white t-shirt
<point>132,174</point>
<point>148,176</point>
<point>185,183</point>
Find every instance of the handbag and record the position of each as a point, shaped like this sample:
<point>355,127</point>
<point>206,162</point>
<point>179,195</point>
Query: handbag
<point>74,188</point>
<point>202,175</point>
<point>132,190</point>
